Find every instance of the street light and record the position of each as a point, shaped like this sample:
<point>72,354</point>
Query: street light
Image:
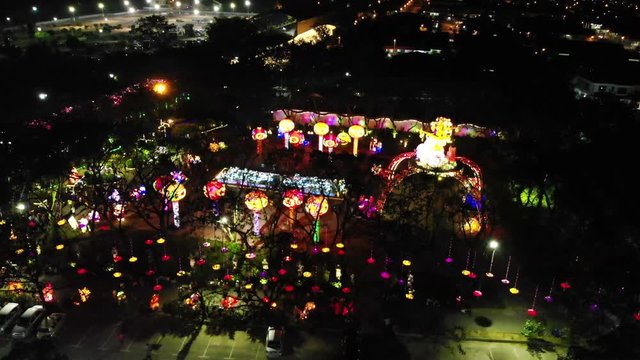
<point>232,6</point>
<point>34,9</point>
<point>42,96</point>
<point>196,12</point>
<point>216,8</point>
<point>247,3</point>
<point>72,10</point>
<point>126,3</point>
<point>394,45</point>
<point>101,7</point>
<point>21,207</point>
<point>132,10</point>
<point>156,7</point>
<point>493,245</point>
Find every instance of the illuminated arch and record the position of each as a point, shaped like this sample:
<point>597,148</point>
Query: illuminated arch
<point>471,180</point>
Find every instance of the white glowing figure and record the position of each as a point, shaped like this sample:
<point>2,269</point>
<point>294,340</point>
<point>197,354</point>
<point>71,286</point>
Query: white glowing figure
<point>431,152</point>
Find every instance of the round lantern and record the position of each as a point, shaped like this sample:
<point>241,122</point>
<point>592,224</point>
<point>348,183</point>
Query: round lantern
<point>321,129</point>
<point>286,126</point>
<point>330,141</point>
<point>317,206</point>
<point>256,201</point>
<point>356,132</point>
<point>292,199</point>
<point>343,138</point>
<point>176,192</point>
<point>214,190</point>
<point>296,138</point>
<point>162,182</point>
<point>259,134</point>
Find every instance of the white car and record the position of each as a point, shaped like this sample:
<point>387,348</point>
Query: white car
<point>26,324</point>
<point>50,325</point>
<point>273,342</point>
<point>8,316</point>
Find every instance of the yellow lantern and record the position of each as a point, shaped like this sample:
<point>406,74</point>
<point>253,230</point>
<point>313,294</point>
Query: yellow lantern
<point>344,138</point>
<point>176,192</point>
<point>356,132</point>
<point>256,201</point>
<point>160,88</point>
<point>321,129</point>
<point>286,126</point>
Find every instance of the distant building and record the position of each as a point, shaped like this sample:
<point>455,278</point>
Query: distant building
<point>590,87</point>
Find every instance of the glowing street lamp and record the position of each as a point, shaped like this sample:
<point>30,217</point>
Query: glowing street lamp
<point>356,132</point>
<point>72,11</point>
<point>126,3</point>
<point>493,245</point>
<point>101,7</point>
<point>286,126</point>
<point>216,8</point>
<point>321,129</point>
<point>232,6</point>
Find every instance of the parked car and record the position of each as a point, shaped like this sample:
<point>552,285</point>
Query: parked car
<point>50,325</point>
<point>273,344</point>
<point>8,316</point>
<point>27,323</point>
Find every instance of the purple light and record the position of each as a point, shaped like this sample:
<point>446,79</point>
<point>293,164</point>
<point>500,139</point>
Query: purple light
<point>448,260</point>
<point>594,307</point>
<point>315,250</point>
<point>548,299</point>
<point>385,275</point>
<point>224,250</point>
<point>401,281</point>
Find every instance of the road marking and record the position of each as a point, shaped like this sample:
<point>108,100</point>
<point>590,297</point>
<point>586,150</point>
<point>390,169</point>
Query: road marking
<point>128,348</point>
<point>84,337</point>
<point>184,340</point>
<point>258,348</point>
<point>233,345</point>
<point>103,346</point>
<point>204,354</point>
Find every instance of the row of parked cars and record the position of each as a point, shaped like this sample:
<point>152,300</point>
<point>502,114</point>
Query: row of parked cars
<point>23,324</point>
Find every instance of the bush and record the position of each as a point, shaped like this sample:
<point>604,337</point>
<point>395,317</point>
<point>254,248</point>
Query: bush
<point>533,328</point>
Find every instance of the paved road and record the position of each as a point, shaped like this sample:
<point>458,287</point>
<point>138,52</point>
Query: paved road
<point>96,338</point>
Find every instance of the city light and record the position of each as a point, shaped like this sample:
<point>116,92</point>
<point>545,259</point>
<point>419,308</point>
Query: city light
<point>21,207</point>
<point>34,8</point>
<point>493,244</point>
<point>216,8</point>
<point>232,6</point>
<point>43,96</point>
<point>247,3</point>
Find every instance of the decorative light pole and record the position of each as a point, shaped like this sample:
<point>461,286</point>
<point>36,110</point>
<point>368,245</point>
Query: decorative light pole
<point>316,206</point>
<point>259,134</point>
<point>493,245</point>
<point>321,129</point>
<point>286,126</point>
<point>72,11</point>
<point>356,132</point>
<point>256,201</point>
<point>292,199</point>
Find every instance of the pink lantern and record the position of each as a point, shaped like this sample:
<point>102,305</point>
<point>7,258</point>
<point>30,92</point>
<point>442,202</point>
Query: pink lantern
<point>296,138</point>
<point>330,141</point>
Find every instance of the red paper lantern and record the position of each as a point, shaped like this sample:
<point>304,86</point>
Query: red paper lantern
<point>214,190</point>
<point>157,287</point>
<point>81,271</point>
<point>296,137</point>
<point>289,288</point>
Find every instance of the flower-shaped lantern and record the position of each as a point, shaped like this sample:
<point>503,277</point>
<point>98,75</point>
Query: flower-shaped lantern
<point>286,126</point>
<point>256,201</point>
<point>356,132</point>
<point>292,199</point>
<point>259,134</point>
<point>316,206</point>
<point>214,190</point>
<point>321,129</point>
